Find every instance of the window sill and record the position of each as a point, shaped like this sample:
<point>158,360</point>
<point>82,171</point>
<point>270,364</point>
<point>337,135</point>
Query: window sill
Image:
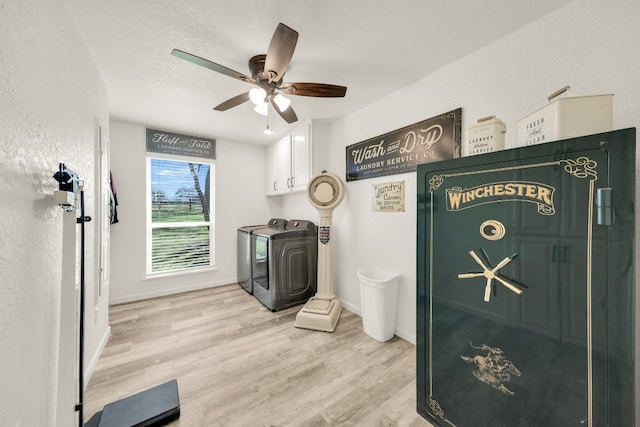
<point>153,276</point>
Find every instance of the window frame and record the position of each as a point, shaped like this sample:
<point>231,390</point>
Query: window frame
<point>150,225</point>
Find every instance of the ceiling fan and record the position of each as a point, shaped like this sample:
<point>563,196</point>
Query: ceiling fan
<point>267,72</point>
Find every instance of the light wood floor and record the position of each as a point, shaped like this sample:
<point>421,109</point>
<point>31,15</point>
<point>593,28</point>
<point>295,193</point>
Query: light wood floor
<point>239,364</point>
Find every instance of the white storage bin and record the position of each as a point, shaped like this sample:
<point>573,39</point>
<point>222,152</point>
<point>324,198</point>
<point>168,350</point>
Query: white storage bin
<point>568,115</point>
<point>485,136</point>
<point>379,297</point>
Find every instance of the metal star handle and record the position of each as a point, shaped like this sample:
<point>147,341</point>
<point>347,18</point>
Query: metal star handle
<point>491,274</point>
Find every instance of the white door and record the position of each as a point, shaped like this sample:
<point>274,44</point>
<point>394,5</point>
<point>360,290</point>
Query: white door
<point>105,215</point>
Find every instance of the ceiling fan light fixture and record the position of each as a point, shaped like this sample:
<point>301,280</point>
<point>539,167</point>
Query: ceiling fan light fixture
<point>262,108</point>
<point>267,73</point>
<point>257,95</point>
<point>282,102</point>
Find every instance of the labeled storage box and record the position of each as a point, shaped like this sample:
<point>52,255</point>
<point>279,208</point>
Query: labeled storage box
<point>567,115</point>
<point>485,136</point>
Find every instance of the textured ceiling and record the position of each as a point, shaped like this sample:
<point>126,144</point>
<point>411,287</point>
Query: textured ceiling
<point>373,47</point>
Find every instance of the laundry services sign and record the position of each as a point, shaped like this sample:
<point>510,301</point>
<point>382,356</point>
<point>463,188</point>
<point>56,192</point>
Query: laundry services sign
<point>388,197</point>
<point>159,141</point>
<point>402,150</point>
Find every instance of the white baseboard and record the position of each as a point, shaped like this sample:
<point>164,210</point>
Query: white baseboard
<point>165,292</point>
<point>405,335</point>
<point>355,309</point>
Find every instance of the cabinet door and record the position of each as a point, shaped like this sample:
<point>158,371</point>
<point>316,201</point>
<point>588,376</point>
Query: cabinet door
<point>283,149</point>
<point>289,163</point>
<point>300,158</point>
<point>272,170</point>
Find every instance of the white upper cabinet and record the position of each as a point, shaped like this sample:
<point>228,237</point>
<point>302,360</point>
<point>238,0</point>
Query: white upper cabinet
<point>272,169</point>
<point>289,162</point>
<point>283,165</point>
<point>300,158</point>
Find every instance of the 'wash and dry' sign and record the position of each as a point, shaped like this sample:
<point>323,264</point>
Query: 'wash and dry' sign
<point>400,151</point>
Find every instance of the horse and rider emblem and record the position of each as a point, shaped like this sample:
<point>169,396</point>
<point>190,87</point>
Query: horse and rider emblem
<point>492,368</point>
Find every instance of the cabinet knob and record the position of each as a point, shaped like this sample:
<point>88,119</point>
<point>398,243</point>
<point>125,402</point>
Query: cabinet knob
<point>289,182</point>
<point>275,183</point>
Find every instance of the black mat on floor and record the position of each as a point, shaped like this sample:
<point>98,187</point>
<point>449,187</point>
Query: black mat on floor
<point>94,421</point>
<point>153,407</point>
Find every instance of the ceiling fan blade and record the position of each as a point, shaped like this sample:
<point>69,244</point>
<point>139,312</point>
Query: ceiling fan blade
<point>288,115</point>
<point>280,51</point>
<point>314,89</point>
<point>211,65</point>
<point>232,102</point>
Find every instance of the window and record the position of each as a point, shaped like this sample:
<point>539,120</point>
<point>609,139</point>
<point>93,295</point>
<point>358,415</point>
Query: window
<point>180,215</point>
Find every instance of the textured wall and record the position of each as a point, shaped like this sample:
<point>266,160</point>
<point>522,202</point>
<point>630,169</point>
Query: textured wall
<point>239,201</point>
<point>591,45</point>
<point>52,99</point>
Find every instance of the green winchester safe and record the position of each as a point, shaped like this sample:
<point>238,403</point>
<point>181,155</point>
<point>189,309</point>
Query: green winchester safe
<point>525,275</point>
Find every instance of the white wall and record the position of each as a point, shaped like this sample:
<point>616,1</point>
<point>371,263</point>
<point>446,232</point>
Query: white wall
<point>239,200</point>
<point>53,101</point>
<point>591,45</point>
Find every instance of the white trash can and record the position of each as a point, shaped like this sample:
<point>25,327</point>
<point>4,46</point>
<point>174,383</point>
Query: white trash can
<point>378,296</point>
